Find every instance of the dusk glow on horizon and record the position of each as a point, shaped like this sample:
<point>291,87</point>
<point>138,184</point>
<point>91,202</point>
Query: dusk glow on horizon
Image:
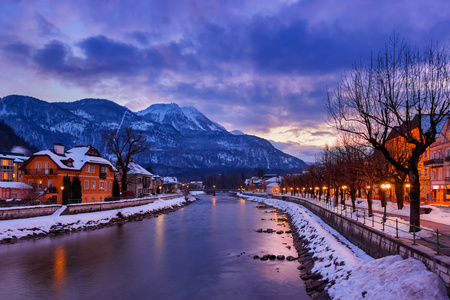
<point>260,66</point>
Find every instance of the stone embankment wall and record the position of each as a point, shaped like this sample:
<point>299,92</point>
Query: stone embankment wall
<point>92,207</point>
<point>45,210</point>
<point>27,212</point>
<point>375,243</point>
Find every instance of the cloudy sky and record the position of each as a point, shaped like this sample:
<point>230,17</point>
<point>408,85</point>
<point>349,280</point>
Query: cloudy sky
<point>260,66</point>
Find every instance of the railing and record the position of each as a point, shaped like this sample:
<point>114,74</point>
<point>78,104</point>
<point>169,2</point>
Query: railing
<point>103,175</point>
<point>434,161</point>
<point>41,172</point>
<point>447,178</point>
<point>447,158</point>
<point>362,216</point>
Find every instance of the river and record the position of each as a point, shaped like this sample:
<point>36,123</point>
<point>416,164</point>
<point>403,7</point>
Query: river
<point>201,251</point>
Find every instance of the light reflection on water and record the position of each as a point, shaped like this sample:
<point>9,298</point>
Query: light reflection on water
<point>193,253</point>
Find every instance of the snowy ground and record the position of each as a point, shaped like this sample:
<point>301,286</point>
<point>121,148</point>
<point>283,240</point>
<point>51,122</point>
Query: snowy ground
<point>19,228</point>
<point>357,275</point>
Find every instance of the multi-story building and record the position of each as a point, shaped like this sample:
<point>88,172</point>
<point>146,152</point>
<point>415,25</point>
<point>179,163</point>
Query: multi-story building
<point>437,165</point>
<point>45,172</point>
<point>140,180</point>
<point>10,164</point>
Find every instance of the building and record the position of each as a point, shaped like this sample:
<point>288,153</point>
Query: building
<point>272,185</point>
<point>438,165</point>
<point>45,171</point>
<point>140,180</point>
<point>14,190</point>
<point>170,185</point>
<point>10,164</point>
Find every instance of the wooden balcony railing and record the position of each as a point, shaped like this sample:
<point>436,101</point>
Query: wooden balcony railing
<point>41,172</point>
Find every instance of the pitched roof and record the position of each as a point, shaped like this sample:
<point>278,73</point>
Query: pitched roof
<point>14,185</point>
<point>78,155</point>
<point>137,169</point>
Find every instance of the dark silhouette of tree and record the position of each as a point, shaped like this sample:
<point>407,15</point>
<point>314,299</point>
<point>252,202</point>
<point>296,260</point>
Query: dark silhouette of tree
<point>116,189</point>
<point>123,146</point>
<point>67,192</point>
<point>400,90</point>
<point>76,188</point>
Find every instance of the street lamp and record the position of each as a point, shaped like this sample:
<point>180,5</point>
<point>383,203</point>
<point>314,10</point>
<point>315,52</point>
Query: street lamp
<point>385,187</point>
<point>344,195</point>
<point>291,190</point>
<point>214,191</point>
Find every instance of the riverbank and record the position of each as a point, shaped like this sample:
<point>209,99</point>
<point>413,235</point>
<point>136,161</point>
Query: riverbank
<point>349,273</point>
<point>15,230</point>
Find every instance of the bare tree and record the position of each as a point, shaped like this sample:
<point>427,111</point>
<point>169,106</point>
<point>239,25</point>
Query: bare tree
<point>401,90</point>
<point>123,146</point>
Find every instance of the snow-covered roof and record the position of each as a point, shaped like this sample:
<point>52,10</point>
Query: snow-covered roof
<point>170,180</point>
<point>274,179</point>
<point>14,185</point>
<point>256,181</point>
<point>138,169</point>
<point>17,157</point>
<point>273,184</point>
<point>78,155</point>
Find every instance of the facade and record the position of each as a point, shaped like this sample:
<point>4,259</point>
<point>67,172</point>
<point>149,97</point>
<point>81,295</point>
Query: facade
<point>398,147</point>
<point>14,190</point>
<point>45,171</point>
<point>438,165</point>
<point>140,180</point>
<point>170,185</point>
<point>157,184</point>
<point>10,164</point>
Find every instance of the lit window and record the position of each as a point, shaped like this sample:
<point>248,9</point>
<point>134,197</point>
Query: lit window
<point>93,184</point>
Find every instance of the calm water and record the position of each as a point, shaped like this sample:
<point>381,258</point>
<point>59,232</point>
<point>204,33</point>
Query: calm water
<point>188,254</point>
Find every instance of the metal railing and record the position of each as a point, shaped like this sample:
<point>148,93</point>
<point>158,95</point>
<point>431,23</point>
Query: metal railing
<point>363,217</point>
<point>41,171</point>
<point>434,161</point>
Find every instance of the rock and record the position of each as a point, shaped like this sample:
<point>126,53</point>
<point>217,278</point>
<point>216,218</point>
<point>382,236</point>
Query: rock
<point>280,232</point>
<point>288,231</point>
<point>280,257</point>
<point>272,257</point>
<point>255,257</point>
<point>291,258</point>
<point>259,230</point>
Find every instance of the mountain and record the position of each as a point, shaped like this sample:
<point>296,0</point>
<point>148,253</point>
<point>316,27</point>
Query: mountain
<point>12,142</point>
<point>183,140</point>
<point>186,120</point>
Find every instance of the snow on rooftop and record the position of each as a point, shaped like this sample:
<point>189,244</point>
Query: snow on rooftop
<point>79,156</point>
<point>170,180</point>
<point>17,157</point>
<point>138,169</point>
<point>14,185</point>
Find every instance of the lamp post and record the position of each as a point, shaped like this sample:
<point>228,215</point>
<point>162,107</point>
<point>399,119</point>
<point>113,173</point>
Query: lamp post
<point>385,187</point>
<point>214,190</point>
<point>408,186</point>
<point>292,190</point>
<point>344,188</point>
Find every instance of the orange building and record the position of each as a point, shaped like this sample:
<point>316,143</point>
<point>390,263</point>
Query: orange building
<point>45,171</point>
<point>401,150</point>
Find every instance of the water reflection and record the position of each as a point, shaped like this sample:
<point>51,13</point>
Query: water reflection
<point>59,269</point>
<point>204,251</point>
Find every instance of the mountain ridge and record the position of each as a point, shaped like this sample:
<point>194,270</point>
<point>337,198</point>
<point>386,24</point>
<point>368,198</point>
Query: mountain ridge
<point>183,141</point>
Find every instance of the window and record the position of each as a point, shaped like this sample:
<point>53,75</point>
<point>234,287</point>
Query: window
<point>92,169</point>
<point>101,185</point>
<point>110,186</point>
<point>93,198</point>
<point>85,198</point>
<point>86,185</point>
<point>93,184</point>
<point>49,183</point>
<point>425,170</point>
<point>38,165</point>
<point>87,168</point>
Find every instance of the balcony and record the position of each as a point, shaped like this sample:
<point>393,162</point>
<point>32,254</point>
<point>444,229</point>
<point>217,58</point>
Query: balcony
<point>434,162</point>
<point>41,171</point>
<point>103,175</point>
<point>447,158</point>
<point>447,178</point>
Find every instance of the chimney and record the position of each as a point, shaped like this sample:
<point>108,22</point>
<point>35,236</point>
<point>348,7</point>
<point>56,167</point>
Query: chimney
<point>59,148</point>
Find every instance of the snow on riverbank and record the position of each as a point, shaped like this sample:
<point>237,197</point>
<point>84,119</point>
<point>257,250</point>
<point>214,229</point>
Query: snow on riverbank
<point>355,274</point>
<point>19,228</point>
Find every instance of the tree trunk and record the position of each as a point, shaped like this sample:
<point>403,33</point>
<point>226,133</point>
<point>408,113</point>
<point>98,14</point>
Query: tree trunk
<point>383,197</point>
<point>353,197</point>
<point>414,196</point>
<point>336,196</point>
<point>123,181</point>
<point>399,194</point>
<point>369,202</point>
<point>328,195</point>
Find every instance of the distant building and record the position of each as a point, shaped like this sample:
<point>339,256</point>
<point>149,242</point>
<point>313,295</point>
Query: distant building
<point>45,170</point>
<point>140,180</point>
<point>170,185</point>
<point>14,190</point>
<point>10,164</point>
<point>438,165</point>
<point>196,185</point>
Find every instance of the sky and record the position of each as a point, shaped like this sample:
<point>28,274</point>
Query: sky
<point>259,66</point>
